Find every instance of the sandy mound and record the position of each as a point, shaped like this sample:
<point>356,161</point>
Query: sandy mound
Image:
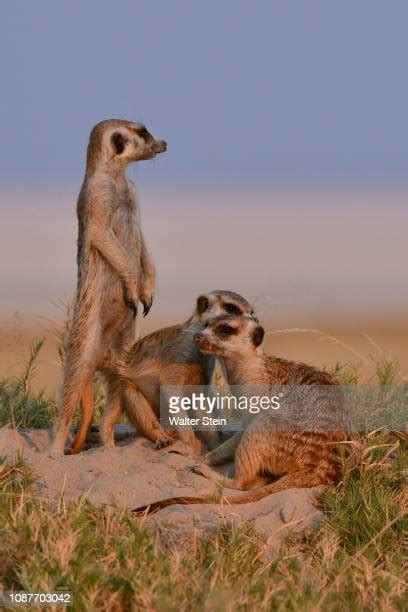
<point>134,474</point>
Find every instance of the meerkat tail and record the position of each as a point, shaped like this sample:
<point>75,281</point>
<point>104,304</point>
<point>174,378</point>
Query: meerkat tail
<point>173,501</point>
<point>301,479</point>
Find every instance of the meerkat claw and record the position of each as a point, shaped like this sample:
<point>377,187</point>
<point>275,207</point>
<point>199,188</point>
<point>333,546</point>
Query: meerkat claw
<point>202,469</point>
<point>146,307</point>
<point>180,451</point>
<point>162,442</point>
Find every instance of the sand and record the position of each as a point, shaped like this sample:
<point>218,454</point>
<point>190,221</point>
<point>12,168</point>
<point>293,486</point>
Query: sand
<point>134,474</point>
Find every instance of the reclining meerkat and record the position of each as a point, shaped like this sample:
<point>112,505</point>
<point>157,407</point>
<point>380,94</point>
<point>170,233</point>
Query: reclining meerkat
<point>115,270</point>
<point>168,356</point>
<point>297,442</point>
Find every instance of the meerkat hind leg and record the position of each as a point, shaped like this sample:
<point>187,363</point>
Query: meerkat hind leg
<point>74,387</point>
<point>141,414</point>
<point>242,484</point>
<point>304,478</point>
<point>113,412</point>
<point>224,452</point>
<point>211,438</point>
<point>87,411</point>
<point>248,464</point>
<point>187,437</point>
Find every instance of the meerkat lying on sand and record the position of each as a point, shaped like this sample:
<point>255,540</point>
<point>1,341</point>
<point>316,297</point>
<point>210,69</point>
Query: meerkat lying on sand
<point>296,443</point>
<point>168,356</point>
<point>115,270</point>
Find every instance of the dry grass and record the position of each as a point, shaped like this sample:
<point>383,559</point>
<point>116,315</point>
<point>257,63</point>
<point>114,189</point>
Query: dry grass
<point>355,561</point>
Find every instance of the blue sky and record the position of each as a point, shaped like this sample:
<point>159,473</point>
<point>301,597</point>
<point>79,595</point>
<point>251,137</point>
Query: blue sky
<point>258,91</point>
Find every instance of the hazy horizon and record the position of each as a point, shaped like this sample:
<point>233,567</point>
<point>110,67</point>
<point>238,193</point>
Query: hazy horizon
<point>323,252</point>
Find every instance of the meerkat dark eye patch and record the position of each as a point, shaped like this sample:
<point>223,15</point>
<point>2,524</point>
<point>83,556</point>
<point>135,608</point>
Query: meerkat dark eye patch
<point>226,330</point>
<point>232,309</point>
<point>258,335</point>
<point>202,304</point>
<point>118,142</point>
<point>143,133</point>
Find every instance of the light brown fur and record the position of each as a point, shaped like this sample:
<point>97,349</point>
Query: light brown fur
<point>169,356</point>
<point>298,443</point>
<point>115,271</point>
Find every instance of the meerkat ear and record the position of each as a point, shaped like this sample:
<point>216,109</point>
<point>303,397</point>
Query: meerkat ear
<point>118,142</point>
<point>258,335</point>
<point>202,304</point>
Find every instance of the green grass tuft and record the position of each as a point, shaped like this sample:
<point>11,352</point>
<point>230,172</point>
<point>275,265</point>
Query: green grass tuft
<point>23,408</point>
<point>20,407</point>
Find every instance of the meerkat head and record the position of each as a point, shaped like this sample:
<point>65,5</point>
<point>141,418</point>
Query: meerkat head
<point>231,335</point>
<point>122,142</point>
<point>220,302</point>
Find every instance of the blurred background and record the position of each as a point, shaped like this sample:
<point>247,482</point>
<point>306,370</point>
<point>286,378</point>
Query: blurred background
<point>286,176</point>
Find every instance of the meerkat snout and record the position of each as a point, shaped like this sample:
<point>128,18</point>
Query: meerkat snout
<point>153,147</point>
<point>150,142</point>
<point>160,146</point>
<point>204,343</point>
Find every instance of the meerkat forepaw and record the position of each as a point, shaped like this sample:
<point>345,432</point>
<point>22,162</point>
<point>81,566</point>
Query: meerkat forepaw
<point>162,442</point>
<point>131,298</point>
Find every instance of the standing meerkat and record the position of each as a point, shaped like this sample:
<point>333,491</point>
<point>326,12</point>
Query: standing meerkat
<point>168,356</point>
<point>115,271</point>
<point>297,442</point>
